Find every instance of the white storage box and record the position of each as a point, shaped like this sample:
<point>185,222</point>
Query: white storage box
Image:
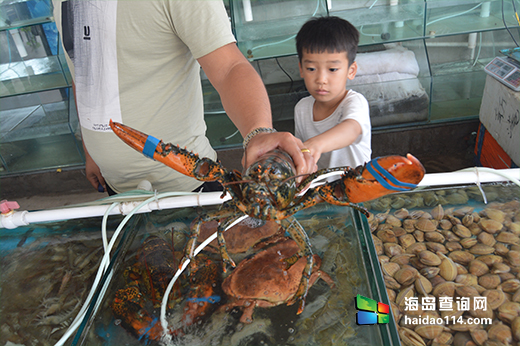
<point>500,114</point>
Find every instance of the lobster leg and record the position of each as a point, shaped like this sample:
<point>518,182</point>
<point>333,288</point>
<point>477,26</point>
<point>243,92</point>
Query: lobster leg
<point>299,235</point>
<point>226,214</point>
<point>182,160</point>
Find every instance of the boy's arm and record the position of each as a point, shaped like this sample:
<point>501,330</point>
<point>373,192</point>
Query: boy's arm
<point>340,136</point>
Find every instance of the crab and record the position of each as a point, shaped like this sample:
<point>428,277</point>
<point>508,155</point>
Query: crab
<point>266,280</point>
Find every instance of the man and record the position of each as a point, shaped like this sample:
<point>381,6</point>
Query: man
<point>138,63</point>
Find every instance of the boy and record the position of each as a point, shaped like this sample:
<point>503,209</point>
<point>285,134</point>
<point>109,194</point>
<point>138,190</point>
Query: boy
<point>333,122</point>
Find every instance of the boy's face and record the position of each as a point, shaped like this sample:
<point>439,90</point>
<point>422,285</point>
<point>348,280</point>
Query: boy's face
<point>326,74</point>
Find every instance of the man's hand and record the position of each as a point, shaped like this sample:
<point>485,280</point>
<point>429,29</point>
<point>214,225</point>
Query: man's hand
<point>93,173</point>
<point>265,142</point>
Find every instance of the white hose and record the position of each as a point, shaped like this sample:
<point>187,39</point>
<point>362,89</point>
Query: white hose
<point>164,303</point>
<point>105,261</point>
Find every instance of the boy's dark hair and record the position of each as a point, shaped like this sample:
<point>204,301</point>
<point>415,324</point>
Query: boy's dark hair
<point>331,34</point>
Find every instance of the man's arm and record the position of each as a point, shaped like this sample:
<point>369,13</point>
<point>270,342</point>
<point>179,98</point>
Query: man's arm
<point>246,102</point>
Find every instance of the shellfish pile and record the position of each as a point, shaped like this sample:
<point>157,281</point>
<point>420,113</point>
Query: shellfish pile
<point>451,248</point>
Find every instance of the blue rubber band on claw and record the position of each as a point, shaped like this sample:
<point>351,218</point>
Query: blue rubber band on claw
<point>382,181</point>
<point>150,145</point>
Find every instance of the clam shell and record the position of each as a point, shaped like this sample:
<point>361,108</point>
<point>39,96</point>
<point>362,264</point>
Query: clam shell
<point>514,228</point>
<point>429,272</point>
<point>394,221</point>
<point>391,283</point>
<point>486,239</point>
<point>410,338</point>
<point>481,249</point>
<point>478,268</point>
<point>467,220</point>
<point>429,331</point>
<point>490,226</point>
<point>514,258</point>
<point>429,258</point>
<point>406,240</point>
<point>438,212</point>
<point>445,338</point>
<point>511,285</point>
<point>390,268</point>
<point>489,260</point>
<point>462,257</point>
<point>508,311</point>
<point>398,231</point>
<point>461,212</point>
<point>489,281</point>
<point>467,291</point>
<point>419,235</point>
<point>391,294</point>
<point>448,269</point>
<point>501,332</point>
<point>416,248</point>
<point>453,246</point>
<point>501,249</point>
<point>401,213</point>
<point>423,285</point>
<point>392,249</point>
<point>406,292</point>
<point>450,236</point>
<point>467,279</point>
<point>387,236</point>
<point>495,298</point>
<point>515,328</point>
<point>445,289</point>
<point>461,231</point>
<point>468,242</point>
<point>434,237</point>
<point>406,276</point>
<point>436,247</point>
<point>425,225</point>
<point>401,259</point>
<point>494,214</point>
<point>499,268</point>
<point>508,238</point>
<point>480,336</point>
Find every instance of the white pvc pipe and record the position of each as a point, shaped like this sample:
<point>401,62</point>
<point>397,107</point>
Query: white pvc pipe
<point>24,218</point>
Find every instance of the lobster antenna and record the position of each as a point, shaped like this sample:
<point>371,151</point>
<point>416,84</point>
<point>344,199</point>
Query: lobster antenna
<point>296,176</point>
<point>237,182</point>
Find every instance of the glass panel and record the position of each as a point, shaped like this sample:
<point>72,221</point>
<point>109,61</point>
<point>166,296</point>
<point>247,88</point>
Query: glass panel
<point>446,17</point>
<point>331,231</point>
<point>394,78</point>
<point>267,28</point>
<point>382,21</point>
<point>35,132</point>
<point>28,60</point>
<point>47,273</point>
<point>19,13</point>
<point>457,66</point>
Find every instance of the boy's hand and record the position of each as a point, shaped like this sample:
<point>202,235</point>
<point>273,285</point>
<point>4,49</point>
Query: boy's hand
<point>314,148</point>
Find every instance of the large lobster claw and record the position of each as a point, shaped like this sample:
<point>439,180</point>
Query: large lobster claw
<point>181,160</point>
<point>382,176</point>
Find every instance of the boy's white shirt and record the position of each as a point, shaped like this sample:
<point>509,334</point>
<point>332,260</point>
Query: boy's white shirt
<point>354,106</point>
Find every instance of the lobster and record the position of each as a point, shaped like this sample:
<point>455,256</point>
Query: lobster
<point>268,191</point>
